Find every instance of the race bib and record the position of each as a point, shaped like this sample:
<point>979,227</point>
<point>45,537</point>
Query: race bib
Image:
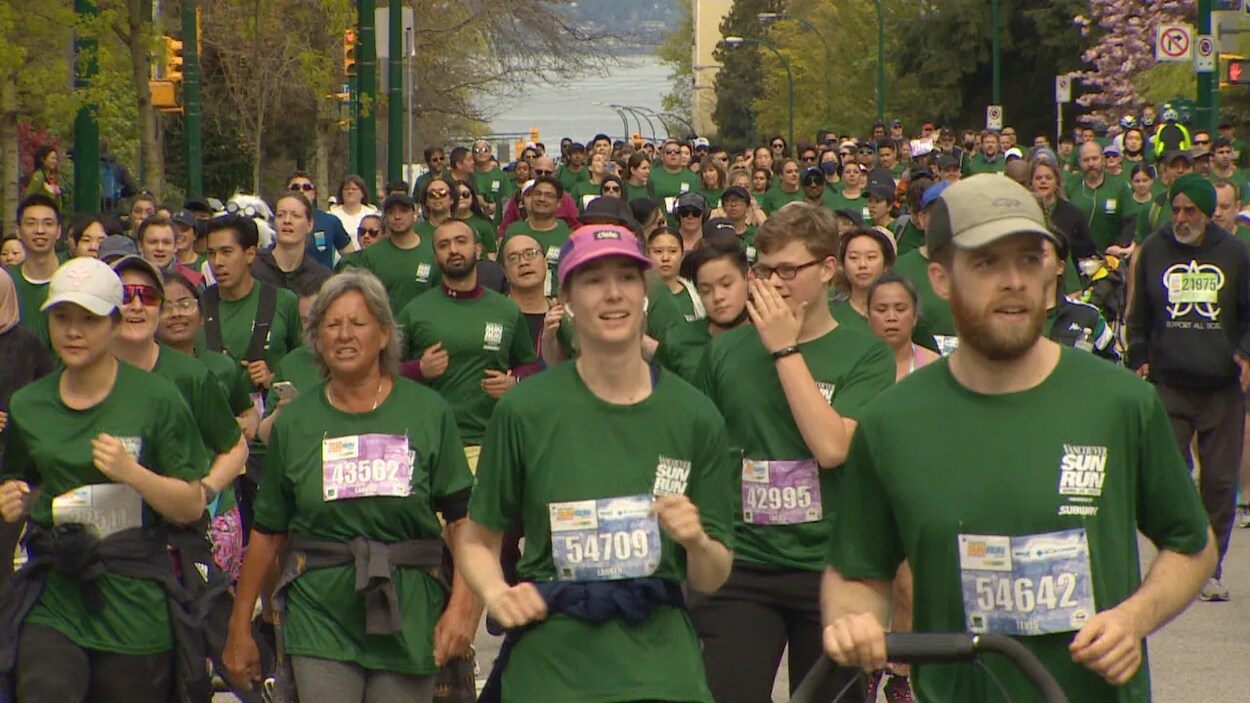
<point>946,343</point>
<point>669,201</point>
<point>608,539</point>
<point>1026,585</point>
<point>494,186</point>
<point>685,188</point>
<point>423,273</point>
<point>320,239</point>
<point>1109,206</point>
<point>106,508</point>
<point>867,215</point>
<point>1193,287</point>
<point>587,198</point>
<point>367,465</point>
<point>780,492</point>
<point>553,255</point>
<point>751,254</point>
<point>258,402</point>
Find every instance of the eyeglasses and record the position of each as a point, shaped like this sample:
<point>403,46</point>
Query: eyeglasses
<point>306,187</point>
<point>785,272</point>
<point>369,231</point>
<point>809,158</point>
<point>438,159</point>
<point>464,194</point>
<point>438,192</point>
<point>146,294</point>
<point>184,306</point>
<point>1201,142</point>
<point>778,145</point>
<point>544,172</point>
<point>482,150</point>
<point>670,152</point>
<point>689,212</point>
<point>523,255</point>
<point>611,189</point>
<point>232,208</point>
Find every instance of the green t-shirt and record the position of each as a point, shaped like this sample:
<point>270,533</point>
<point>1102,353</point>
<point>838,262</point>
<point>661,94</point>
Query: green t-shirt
<point>325,616</point>
<point>570,179</point>
<point>204,396</point>
<point>850,367</point>
<point>910,239</point>
<point>669,186</point>
<point>486,233</point>
<point>406,273</point>
<point>847,315</point>
<point>299,368</point>
<point>1243,233</point>
<point>585,192</point>
<point>552,440</point>
<point>1157,214</point>
<point>776,198</point>
<point>479,334</point>
<point>713,196</point>
<point>1131,210</point>
<point>231,377</point>
<point>857,204</point>
<point>979,164</point>
<point>1101,207</point>
<point>30,296</point>
<point>683,348</point>
<point>495,187</point>
<point>550,242</point>
<point>1240,177</point>
<point>934,311</point>
<point>685,303</point>
<point>912,485</point>
<point>48,445</point>
<point>238,316</point>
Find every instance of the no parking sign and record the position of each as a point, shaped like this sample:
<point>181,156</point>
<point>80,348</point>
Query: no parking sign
<point>994,117</point>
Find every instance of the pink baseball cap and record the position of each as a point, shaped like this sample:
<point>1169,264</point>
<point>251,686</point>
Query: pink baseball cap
<point>592,242</point>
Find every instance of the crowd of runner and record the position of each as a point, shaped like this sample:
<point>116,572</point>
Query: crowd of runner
<point>659,412</point>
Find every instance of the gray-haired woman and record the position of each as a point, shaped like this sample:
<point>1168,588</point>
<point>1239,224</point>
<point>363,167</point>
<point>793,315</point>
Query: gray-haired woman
<point>356,469</point>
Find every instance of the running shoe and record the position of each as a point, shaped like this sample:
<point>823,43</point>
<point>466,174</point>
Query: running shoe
<point>1243,515</point>
<point>1213,592</point>
<point>898,689</point>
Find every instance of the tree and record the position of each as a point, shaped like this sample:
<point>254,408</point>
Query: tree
<point>677,52</point>
<point>740,68</point>
<point>1125,69</point>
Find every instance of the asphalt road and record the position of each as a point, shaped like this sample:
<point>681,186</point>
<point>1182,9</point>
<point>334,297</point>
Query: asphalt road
<point>1204,655</point>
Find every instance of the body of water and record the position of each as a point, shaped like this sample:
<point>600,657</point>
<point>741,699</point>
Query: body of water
<point>579,108</point>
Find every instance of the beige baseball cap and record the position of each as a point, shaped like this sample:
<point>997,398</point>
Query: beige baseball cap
<point>88,283</point>
<point>982,209</point>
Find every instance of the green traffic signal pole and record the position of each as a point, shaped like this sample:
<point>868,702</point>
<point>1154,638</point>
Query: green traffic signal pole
<point>736,41</point>
<point>191,99</point>
<point>395,103</point>
<point>996,50</point>
<point>367,78</point>
<point>881,62</point>
<point>770,16</point>
<point>86,128</point>
<point>1208,93</point>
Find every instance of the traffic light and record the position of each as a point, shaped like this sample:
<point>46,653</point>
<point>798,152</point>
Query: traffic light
<point>349,53</point>
<point>1238,72</point>
<point>173,59</point>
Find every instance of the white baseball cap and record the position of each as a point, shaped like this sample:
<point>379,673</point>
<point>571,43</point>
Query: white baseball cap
<point>88,283</point>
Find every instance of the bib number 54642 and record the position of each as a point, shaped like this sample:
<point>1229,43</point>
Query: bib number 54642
<point>1023,595</point>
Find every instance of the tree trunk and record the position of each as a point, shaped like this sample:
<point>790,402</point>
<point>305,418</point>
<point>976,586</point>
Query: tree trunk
<point>322,155</point>
<point>260,133</point>
<point>149,129</point>
<point>10,148</point>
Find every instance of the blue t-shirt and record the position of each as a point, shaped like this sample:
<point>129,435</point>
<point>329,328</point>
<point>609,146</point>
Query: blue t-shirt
<point>327,237</point>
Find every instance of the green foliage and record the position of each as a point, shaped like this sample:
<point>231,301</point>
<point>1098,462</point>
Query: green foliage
<point>677,52</point>
<point>1165,81</point>
<point>740,68</point>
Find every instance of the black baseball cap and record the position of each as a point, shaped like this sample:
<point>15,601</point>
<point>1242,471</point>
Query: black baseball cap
<point>947,161</point>
<point>718,226</point>
<point>854,216</point>
<point>736,192</point>
<point>398,199</point>
<point>814,175</point>
<point>880,191</point>
<point>576,147</point>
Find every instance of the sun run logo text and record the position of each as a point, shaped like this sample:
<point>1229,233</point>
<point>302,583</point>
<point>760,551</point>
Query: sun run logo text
<point>826,389</point>
<point>493,337</point>
<point>671,477</point>
<point>1082,470</point>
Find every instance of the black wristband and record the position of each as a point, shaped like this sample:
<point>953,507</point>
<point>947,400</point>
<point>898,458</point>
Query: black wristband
<point>784,352</point>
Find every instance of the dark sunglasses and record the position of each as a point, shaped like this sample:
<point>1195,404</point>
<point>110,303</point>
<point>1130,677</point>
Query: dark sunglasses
<point>544,172</point>
<point>778,145</point>
<point>611,189</point>
<point>146,294</point>
<point>670,152</point>
<point>482,150</point>
<point>369,231</point>
<point>689,212</point>
<point>465,194</point>
<point>302,186</point>
<point>809,158</point>
<point>438,192</point>
<point>437,159</point>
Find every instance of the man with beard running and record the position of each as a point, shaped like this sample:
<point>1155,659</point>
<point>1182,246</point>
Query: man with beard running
<point>466,342</point>
<point>1013,471</point>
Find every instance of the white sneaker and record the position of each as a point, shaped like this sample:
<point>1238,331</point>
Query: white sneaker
<point>1213,592</point>
<point>1243,515</point>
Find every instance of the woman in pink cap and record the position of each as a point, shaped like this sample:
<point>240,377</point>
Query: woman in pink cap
<point>621,478</point>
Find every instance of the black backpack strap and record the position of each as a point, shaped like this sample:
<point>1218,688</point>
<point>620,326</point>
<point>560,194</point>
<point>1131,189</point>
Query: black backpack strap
<point>265,309</point>
<point>212,319</point>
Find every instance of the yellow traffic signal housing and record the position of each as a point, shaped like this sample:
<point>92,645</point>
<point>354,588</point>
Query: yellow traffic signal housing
<point>164,95</point>
<point>349,53</point>
<point>173,59</point>
<point>1233,70</point>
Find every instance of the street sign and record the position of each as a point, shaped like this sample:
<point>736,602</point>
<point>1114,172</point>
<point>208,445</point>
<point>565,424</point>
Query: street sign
<point>1204,54</point>
<point>1174,42</point>
<point>994,117</point>
<point>1063,89</point>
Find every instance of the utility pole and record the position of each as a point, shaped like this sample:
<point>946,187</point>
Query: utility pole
<point>395,100</point>
<point>367,130</point>
<point>1208,116</point>
<point>86,128</point>
<point>191,125</point>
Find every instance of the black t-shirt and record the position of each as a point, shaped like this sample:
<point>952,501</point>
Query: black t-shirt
<point>534,320</point>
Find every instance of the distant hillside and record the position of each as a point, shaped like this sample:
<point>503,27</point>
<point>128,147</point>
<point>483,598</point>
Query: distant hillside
<point>647,21</point>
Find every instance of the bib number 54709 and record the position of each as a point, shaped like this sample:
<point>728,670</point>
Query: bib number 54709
<point>606,547</point>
